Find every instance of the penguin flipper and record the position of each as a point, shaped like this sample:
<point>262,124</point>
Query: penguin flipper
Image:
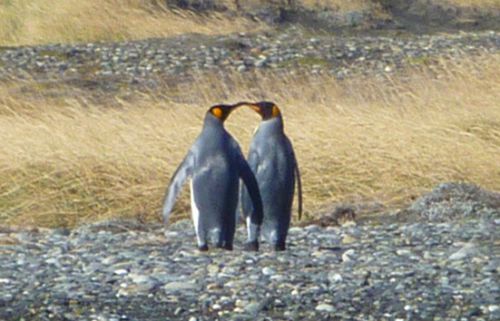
<point>245,200</point>
<point>299,188</point>
<point>182,173</point>
<point>252,188</point>
<point>297,177</point>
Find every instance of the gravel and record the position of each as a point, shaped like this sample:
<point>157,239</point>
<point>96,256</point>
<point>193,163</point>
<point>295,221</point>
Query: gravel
<point>146,62</point>
<point>122,270</point>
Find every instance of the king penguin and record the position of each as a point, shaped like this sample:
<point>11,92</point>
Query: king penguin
<point>272,159</point>
<point>214,164</point>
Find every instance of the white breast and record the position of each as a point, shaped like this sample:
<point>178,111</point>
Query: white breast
<point>195,212</point>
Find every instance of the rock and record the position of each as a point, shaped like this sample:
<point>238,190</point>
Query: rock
<point>466,251</point>
<point>404,252</point>
<point>349,256</point>
<point>180,287</point>
<point>5,281</point>
<point>138,278</point>
<point>348,239</point>
<point>120,272</point>
<point>261,63</point>
<point>6,298</point>
<point>323,307</point>
<point>268,271</point>
<point>335,277</point>
<point>254,308</point>
<point>8,240</point>
<point>213,269</point>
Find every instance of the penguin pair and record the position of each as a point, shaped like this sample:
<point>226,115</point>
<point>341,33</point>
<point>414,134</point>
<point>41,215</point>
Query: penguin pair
<point>215,163</point>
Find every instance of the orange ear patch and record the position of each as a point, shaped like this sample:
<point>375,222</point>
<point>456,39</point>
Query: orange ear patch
<point>276,111</point>
<point>217,112</point>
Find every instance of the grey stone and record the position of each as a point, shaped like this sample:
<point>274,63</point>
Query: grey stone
<point>467,250</point>
<point>268,271</point>
<point>323,307</point>
<point>120,271</point>
<point>180,286</point>
<point>349,256</point>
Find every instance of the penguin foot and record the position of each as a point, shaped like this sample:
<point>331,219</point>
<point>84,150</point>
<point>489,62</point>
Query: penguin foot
<point>279,247</point>
<point>251,246</point>
<point>203,248</point>
<point>225,246</point>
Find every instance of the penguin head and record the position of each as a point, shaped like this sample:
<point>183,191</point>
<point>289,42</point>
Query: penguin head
<point>266,109</point>
<point>221,112</point>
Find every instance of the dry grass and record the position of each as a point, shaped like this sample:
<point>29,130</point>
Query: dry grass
<point>484,4</point>
<point>25,22</point>
<point>28,22</point>
<point>65,161</point>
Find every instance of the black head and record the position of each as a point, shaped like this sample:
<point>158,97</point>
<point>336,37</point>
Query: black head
<point>221,112</point>
<point>266,109</point>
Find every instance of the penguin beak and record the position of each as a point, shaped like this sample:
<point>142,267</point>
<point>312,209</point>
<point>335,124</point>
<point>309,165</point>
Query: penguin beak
<point>255,107</point>
<point>233,108</point>
<point>238,105</point>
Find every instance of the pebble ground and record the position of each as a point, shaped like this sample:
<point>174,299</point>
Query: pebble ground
<point>121,270</point>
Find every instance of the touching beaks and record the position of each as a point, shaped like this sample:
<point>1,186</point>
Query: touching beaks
<point>255,107</point>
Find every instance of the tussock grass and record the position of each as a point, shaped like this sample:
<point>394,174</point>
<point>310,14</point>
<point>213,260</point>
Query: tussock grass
<point>64,161</point>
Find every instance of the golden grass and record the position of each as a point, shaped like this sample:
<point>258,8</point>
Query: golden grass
<point>24,22</point>
<point>68,161</point>
<point>475,3</point>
